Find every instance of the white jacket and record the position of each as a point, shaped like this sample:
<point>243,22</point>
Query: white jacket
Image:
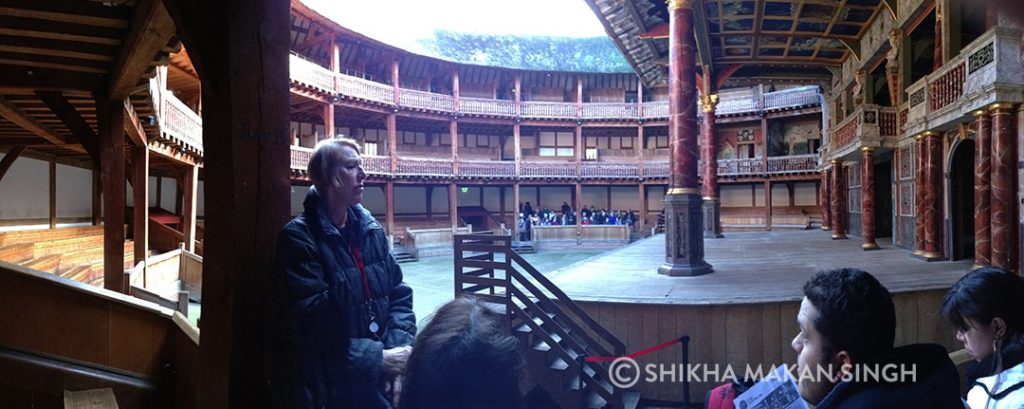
<point>1005,390</point>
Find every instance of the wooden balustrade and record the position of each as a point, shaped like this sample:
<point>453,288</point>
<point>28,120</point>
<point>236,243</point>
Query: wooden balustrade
<point>311,74</point>
<point>656,109</point>
<point>887,122</point>
<point>794,97</point>
<point>427,100</point>
<point>549,110</point>
<point>376,164</point>
<point>739,167</point>
<point>505,169</point>
<point>548,169</point>
<point>736,104</point>
<point>179,122</point>
<point>792,164</point>
<point>300,157</point>
<point>425,167</point>
<point>948,85</point>
<point>656,169</point>
<point>359,88</point>
<point>610,111</point>
<point>488,107</point>
<point>609,170</point>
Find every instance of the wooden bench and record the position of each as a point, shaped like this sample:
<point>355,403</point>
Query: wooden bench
<point>48,264</point>
<point>68,245</point>
<point>36,236</point>
<point>17,253</point>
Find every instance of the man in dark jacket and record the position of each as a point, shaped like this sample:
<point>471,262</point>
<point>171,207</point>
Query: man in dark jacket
<point>343,321</point>
<point>845,354</point>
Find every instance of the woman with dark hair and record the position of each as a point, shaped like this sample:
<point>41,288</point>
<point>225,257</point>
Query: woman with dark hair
<point>464,358</point>
<point>985,307</point>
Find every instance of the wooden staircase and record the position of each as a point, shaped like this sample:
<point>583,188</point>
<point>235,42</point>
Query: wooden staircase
<point>555,335</point>
<point>403,254</point>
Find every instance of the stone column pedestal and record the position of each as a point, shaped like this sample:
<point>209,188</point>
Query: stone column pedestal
<point>684,256</point>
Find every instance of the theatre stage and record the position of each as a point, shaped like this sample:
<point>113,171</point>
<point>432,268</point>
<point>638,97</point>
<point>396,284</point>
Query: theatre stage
<point>745,312</point>
<point>749,268</point>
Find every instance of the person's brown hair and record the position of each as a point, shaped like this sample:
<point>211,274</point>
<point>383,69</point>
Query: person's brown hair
<point>465,358</point>
<point>326,156</point>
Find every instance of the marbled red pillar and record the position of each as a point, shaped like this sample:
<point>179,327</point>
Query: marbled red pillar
<point>709,169</point>
<point>824,202</point>
<point>982,189</point>
<point>684,239</point>
<point>932,196</point>
<point>919,196</point>
<point>867,198</point>
<point>838,199</point>
<point>1004,169</point>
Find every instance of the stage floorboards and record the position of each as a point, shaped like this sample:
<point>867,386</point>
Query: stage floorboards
<point>753,267</point>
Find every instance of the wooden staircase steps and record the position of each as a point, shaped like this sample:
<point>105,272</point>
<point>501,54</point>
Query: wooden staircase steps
<point>68,245</point>
<point>48,264</point>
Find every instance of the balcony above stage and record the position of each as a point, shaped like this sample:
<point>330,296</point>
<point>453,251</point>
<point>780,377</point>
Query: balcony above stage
<point>988,70</point>
<point>537,169</point>
<point>868,126</point>
<point>313,80</point>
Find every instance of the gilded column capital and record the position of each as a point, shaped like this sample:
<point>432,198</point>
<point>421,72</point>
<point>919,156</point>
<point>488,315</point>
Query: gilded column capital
<point>1000,106</point>
<point>894,39</point>
<point>679,4</point>
<point>867,149</point>
<point>708,103</point>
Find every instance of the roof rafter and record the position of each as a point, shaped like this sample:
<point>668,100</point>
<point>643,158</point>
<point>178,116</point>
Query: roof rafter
<point>72,119</point>
<point>13,114</point>
<point>151,29</point>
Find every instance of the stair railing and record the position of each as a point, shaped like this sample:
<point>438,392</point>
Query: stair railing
<point>532,299</point>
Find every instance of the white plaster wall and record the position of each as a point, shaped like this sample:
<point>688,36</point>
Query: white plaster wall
<point>25,190</point>
<point>492,199</point>
<point>759,195</point>
<point>438,202</point>
<point>468,196</point>
<point>373,200</point>
<point>594,195</point>
<point>553,196</point>
<point>74,191</point>
<point>655,198</point>
<point>411,199</point>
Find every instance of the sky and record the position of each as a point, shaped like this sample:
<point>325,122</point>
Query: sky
<point>403,22</point>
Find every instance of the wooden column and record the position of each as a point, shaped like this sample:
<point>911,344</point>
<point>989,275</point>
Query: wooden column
<point>838,200</point>
<point>392,126</point>
<point>453,206</point>
<point>642,214</point>
<point>639,147</point>
<point>188,217</point>
<point>578,141</point>
<point>97,207</point>
<point>932,196</point>
<point>892,68</point>
<point>517,145</point>
<point>1004,190</point>
<point>640,98</point>
<point>389,203</point>
<point>684,241</point>
<point>501,203</point>
<point>111,126</point>
<point>519,100</point>
<point>579,96</point>
<point>244,71</point>
<point>53,192</point>
<point>140,196</point>
<point>867,198</point>
<point>453,131</point>
<point>430,202</point>
<point>394,80</point>
<point>578,203</point>
<point>455,87</point>
<point>768,205</point>
<point>328,115</point>
<point>982,189</point>
<point>159,191</point>
<point>515,213</point>
<point>824,201</point>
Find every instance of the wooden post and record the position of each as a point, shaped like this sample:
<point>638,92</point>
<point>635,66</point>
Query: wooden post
<point>640,99</point>
<point>642,215</point>
<point>159,191</point>
<point>97,206</point>
<point>430,202</point>
<point>111,126</point>
<point>188,219</point>
<point>389,211</point>
<point>519,102</point>
<point>455,87</point>
<point>501,203</point>
<point>140,195</point>
<point>579,97</point>
<point>768,205</point>
<point>453,206</point>
<point>329,120</point>
<point>515,212</point>
<point>53,192</point>
<point>244,72</point>
<point>516,142</point>
<point>453,130</point>
<point>578,203</point>
<point>579,148</point>
<point>392,125</point>
<point>394,80</point>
